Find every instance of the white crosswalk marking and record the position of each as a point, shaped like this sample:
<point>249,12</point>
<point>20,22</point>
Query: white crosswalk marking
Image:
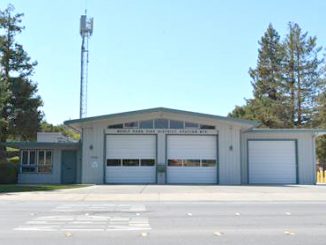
<point>90,217</point>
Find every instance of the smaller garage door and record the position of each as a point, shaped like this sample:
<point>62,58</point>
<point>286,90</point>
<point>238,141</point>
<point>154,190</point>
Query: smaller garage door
<point>131,159</point>
<point>272,162</point>
<point>192,159</point>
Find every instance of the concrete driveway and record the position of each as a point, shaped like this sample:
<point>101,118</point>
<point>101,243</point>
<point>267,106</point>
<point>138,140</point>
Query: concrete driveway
<point>177,193</point>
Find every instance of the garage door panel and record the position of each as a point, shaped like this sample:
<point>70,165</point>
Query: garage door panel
<point>272,162</point>
<point>131,146</point>
<point>192,175</point>
<point>130,174</point>
<point>135,148</point>
<point>191,148</point>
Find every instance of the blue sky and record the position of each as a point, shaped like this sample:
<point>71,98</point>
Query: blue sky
<point>184,54</point>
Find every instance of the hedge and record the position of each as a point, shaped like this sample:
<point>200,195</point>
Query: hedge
<point>8,173</point>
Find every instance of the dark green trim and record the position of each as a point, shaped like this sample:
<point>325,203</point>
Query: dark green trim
<point>217,154</point>
<point>218,160</point>
<point>161,109</point>
<point>274,139</point>
<point>156,148</point>
<point>287,130</point>
<point>41,145</point>
<point>104,157</point>
<point>105,135</point>
<point>81,156</point>
<point>296,161</point>
<point>75,168</point>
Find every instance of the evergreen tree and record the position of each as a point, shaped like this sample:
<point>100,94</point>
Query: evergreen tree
<point>268,104</point>
<point>302,74</point>
<point>320,121</point>
<point>20,113</point>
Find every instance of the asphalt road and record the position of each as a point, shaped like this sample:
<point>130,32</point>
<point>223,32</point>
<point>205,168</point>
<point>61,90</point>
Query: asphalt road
<point>44,222</point>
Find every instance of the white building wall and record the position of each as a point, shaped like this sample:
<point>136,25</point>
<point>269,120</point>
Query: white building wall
<point>229,155</point>
<point>93,160</point>
<point>92,155</point>
<point>305,153</point>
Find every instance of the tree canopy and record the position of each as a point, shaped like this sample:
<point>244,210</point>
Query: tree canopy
<point>288,83</point>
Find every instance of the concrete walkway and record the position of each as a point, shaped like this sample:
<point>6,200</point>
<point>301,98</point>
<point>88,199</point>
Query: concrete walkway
<point>176,193</point>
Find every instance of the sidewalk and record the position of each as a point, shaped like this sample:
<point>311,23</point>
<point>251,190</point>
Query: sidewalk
<point>176,193</point>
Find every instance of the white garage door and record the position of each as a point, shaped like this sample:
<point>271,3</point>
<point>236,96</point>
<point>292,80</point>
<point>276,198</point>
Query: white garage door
<point>192,159</point>
<point>130,158</point>
<point>272,162</point>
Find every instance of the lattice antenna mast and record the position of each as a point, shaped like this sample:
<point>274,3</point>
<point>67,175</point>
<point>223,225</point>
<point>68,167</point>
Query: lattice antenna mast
<point>86,31</point>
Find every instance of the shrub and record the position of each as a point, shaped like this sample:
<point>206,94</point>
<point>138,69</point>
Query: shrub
<point>8,173</point>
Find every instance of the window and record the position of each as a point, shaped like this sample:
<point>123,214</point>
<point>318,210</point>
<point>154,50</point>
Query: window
<point>41,158</point>
<point>116,126</point>
<point>44,161</point>
<point>36,161</point>
<point>113,162</point>
<point>174,163</point>
<point>130,162</point>
<point>32,158</point>
<point>24,158</point>
<point>191,163</point>
<point>161,123</point>
<point>208,163</point>
<point>191,125</point>
<point>176,124</point>
<point>146,124</point>
<point>147,162</point>
<point>131,125</point>
<point>207,127</point>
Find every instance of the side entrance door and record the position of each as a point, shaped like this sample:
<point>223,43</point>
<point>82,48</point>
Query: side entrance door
<point>68,167</point>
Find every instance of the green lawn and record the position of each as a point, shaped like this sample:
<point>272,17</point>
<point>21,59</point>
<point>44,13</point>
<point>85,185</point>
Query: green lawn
<point>22,188</point>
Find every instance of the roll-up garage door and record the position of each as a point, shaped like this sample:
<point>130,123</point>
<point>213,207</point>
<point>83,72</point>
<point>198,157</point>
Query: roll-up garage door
<point>130,158</point>
<point>192,159</point>
<point>272,162</point>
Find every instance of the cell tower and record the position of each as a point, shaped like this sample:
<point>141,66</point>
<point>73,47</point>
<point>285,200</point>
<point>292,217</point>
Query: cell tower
<point>86,30</point>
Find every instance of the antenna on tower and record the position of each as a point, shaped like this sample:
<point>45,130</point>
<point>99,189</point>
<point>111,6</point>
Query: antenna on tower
<point>86,31</point>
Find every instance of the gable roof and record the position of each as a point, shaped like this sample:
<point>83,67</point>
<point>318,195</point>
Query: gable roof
<point>315,131</point>
<point>162,109</point>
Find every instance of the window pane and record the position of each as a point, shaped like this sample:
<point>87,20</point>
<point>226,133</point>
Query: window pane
<point>113,162</point>
<point>147,162</point>
<point>32,158</point>
<point>208,163</point>
<point>146,124</point>
<point>25,157</point>
<point>191,125</point>
<point>176,124</point>
<point>28,169</point>
<point>161,123</point>
<point>191,163</point>
<point>131,125</point>
<point>175,163</point>
<point>45,169</point>
<point>130,162</point>
<point>48,159</point>
<point>116,126</point>
<point>41,158</point>
<point>207,127</point>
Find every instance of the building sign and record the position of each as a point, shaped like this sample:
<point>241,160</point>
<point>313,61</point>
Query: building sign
<point>161,131</point>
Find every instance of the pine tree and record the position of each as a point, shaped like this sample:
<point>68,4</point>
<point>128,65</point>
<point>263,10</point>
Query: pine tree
<point>320,120</point>
<point>268,104</point>
<point>20,114</point>
<point>302,73</point>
